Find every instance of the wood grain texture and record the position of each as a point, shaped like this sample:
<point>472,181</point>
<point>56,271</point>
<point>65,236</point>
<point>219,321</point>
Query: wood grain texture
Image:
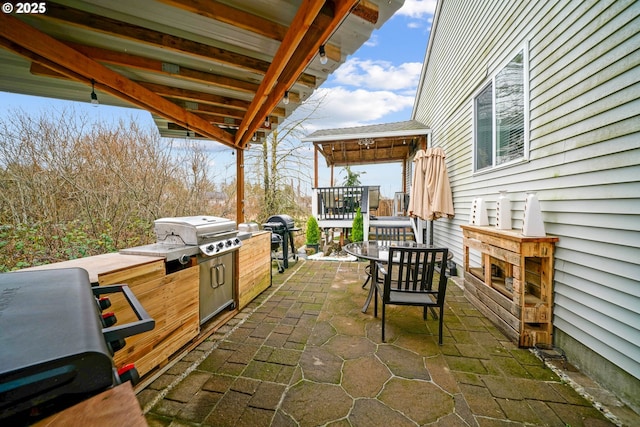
<point>117,406</point>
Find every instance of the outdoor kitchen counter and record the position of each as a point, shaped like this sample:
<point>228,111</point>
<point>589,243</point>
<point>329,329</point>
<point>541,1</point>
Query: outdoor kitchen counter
<point>254,262</point>
<point>106,263</point>
<point>171,299</point>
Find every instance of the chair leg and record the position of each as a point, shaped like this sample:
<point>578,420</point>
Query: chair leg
<point>375,300</point>
<point>424,312</point>
<point>364,285</point>
<point>440,321</point>
<point>383,318</point>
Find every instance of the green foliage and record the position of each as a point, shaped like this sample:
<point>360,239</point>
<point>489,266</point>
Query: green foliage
<point>25,245</point>
<point>313,231</point>
<point>352,179</point>
<point>357,232</point>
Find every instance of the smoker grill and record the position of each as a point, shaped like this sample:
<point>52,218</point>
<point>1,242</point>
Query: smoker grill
<point>56,345</point>
<point>283,226</point>
<point>212,240</point>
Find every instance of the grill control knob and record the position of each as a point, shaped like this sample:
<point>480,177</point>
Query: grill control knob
<point>237,241</point>
<point>104,303</point>
<point>129,373</point>
<point>210,248</point>
<point>229,243</point>
<point>109,319</point>
<point>220,245</point>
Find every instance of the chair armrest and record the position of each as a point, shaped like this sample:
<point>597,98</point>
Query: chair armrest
<point>381,268</point>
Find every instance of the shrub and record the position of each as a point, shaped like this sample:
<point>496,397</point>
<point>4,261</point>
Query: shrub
<point>313,231</point>
<point>357,232</point>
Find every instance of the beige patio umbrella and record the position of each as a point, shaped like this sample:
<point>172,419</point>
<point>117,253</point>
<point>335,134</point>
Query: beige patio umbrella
<point>430,197</point>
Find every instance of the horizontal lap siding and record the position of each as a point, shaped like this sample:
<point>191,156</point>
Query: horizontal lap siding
<point>584,159</point>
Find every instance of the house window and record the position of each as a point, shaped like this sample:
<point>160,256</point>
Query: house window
<point>500,122</point>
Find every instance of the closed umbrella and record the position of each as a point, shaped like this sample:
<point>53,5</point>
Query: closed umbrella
<point>417,206</point>
<point>430,197</point>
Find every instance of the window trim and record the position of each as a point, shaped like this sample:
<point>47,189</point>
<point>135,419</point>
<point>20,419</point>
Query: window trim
<point>526,101</point>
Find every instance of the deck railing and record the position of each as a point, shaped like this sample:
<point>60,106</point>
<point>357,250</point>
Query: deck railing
<point>335,208</point>
<point>341,203</point>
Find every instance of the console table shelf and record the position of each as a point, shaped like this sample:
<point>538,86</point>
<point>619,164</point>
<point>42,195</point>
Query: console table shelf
<point>513,285</point>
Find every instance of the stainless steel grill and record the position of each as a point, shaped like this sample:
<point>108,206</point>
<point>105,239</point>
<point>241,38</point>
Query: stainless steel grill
<point>179,238</point>
<point>212,240</point>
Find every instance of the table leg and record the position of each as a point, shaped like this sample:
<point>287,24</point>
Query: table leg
<point>374,274</point>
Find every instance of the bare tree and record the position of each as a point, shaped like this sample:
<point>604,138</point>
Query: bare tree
<point>73,187</point>
<point>282,164</point>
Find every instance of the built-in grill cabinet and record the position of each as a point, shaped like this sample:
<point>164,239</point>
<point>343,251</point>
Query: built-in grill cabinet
<point>213,241</point>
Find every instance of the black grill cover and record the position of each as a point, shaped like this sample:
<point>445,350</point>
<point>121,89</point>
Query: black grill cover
<point>51,341</point>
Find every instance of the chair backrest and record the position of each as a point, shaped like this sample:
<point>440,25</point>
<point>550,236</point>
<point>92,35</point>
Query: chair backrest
<point>374,198</point>
<point>329,202</point>
<point>413,270</point>
<point>392,233</point>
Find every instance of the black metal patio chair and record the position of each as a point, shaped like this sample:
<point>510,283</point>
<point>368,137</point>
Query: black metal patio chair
<point>411,278</point>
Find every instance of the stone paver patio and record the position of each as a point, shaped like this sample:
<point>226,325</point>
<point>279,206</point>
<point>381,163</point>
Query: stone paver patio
<point>303,354</point>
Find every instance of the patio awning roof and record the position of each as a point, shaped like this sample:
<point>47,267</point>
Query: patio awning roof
<point>381,143</point>
<point>213,69</point>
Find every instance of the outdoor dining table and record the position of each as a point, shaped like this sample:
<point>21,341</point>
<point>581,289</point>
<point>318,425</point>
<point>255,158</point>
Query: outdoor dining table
<point>378,251</point>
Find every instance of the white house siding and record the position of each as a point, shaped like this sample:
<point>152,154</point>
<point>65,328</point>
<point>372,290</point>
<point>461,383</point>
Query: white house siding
<point>584,157</point>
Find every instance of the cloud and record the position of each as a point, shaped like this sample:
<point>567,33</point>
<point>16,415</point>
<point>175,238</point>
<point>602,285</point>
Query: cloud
<point>418,9</point>
<point>373,41</point>
<point>341,107</point>
<point>379,75</point>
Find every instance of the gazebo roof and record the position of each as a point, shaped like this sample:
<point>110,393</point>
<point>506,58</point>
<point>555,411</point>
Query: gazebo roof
<point>379,143</point>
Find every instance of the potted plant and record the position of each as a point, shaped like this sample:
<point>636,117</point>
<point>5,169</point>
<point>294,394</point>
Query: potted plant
<point>313,233</point>
<point>357,231</point>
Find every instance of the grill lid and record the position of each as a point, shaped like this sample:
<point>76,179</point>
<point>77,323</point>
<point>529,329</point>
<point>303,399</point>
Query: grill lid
<point>191,230</point>
<point>281,221</point>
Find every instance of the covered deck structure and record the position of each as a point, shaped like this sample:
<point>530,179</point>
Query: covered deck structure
<point>335,206</point>
<point>220,71</point>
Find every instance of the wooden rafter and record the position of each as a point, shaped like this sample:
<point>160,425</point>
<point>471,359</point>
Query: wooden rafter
<point>163,90</point>
<point>259,25</point>
<point>305,16</point>
<point>137,33</point>
<point>225,117</point>
<point>47,51</point>
<point>367,11</point>
<point>158,39</point>
<point>314,36</point>
<point>229,15</point>
<point>156,66</point>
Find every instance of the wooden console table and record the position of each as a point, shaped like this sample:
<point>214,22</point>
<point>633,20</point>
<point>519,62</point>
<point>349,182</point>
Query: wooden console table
<point>513,285</point>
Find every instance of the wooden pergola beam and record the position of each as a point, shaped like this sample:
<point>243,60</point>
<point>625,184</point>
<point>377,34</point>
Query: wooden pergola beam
<point>307,48</point>
<point>230,15</point>
<point>158,39</point>
<point>165,41</point>
<point>305,16</point>
<point>256,24</point>
<point>229,117</point>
